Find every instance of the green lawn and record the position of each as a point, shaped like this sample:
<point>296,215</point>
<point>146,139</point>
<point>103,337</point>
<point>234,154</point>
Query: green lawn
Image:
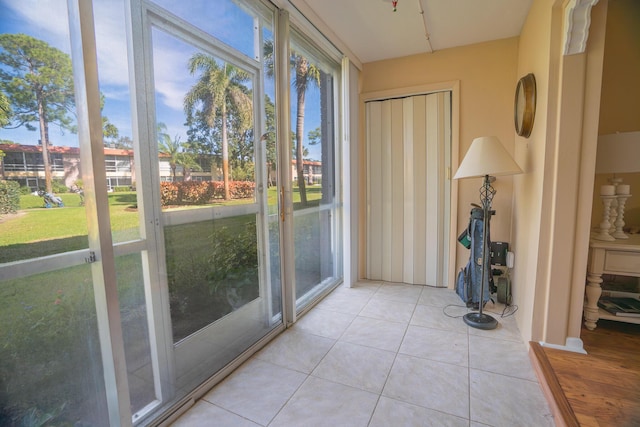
<point>54,312</point>
<point>37,231</point>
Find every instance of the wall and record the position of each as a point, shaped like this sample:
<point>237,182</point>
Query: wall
<point>533,57</point>
<point>553,197</point>
<point>487,76</point>
<point>620,102</point>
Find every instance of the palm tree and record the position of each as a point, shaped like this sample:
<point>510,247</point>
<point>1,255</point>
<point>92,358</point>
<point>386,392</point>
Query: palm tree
<point>305,74</point>
<point>175,150</point>
<point>217,86</point>
<point>171,148</point>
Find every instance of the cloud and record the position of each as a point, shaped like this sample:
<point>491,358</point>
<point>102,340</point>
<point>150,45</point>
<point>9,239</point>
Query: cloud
<point>44,19</point>
<point>111,42</point>
<point>171,77</point>
<point>48,21</point>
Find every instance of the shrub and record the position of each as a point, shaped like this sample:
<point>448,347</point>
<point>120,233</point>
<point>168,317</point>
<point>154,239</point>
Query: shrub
<point>58,187</point>
<point>169,193</point>
<point>202,192</point>
<point>195,192</point>
<point>241,189</point>
<point>9,197</point>
<point>218,189</point>
<point>24,190</point>
<point>214,274</point>
<point>121,188</point>
<point>243,173</point>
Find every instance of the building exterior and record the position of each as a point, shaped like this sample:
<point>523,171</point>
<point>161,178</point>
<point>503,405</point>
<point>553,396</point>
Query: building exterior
<point>23,163</point>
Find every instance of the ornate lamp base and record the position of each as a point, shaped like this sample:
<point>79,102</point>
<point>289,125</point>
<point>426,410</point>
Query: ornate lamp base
<point>480,321</point>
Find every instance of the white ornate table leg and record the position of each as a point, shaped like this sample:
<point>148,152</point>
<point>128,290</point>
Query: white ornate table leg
<point>593,291</point>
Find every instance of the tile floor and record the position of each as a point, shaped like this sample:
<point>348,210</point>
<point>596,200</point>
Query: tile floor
<point>382,355</point>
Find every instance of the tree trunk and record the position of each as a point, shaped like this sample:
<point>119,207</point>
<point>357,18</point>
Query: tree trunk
<point>299,152</point>
<point>225,152</point>
<point>44,140</point>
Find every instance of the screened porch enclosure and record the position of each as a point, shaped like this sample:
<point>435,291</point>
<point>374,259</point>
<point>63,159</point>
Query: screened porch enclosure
<point>180,261</point>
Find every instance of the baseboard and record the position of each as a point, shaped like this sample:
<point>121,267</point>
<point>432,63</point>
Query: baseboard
<point>572,344</point>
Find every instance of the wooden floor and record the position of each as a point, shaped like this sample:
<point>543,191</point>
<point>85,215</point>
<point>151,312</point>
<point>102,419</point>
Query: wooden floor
<point>601,388</point>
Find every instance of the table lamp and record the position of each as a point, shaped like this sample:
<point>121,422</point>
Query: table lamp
<point>486,158</point>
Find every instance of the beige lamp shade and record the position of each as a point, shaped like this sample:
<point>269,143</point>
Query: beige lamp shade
<point>618,153</point>
<point>487,156</point>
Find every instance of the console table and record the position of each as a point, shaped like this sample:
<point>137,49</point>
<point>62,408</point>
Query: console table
<point>621,257</point>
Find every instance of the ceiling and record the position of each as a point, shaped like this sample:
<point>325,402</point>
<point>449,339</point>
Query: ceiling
<point>373,31</point>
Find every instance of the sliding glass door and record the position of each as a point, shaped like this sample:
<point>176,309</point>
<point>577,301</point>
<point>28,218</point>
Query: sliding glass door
<point>203,111</point>
<point>186,156</point>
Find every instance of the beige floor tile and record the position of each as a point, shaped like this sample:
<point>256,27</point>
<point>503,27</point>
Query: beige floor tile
<point>384,309</point>
<point>346,301</point>
<point>390,412</point>
<point>296,350</point>
<point>436,344</point>
<point>507,327</point>
<point>437,318</point>
<point>434,385</point>
<point>399,292</point>
<point>501,357</point>
<point>320,403</point>
<point>205,414</point>
<point>256,391</point>
<point>365,368</point>
<point>439,297</point>
<point>375,333</point>
<point>324,323</point>
<point>498,400</point>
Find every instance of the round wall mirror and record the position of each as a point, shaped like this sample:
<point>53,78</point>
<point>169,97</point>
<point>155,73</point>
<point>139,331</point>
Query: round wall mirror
<point>525,105</point>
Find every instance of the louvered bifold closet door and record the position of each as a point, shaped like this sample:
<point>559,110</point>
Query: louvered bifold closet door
<point>408,152</point>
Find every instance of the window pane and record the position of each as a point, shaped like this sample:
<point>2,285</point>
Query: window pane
<point>47,158</point>
<point>226,20</point>
<point>135,331</point>
<point>113,72</point>
<point>313,170</point>
<point>206,118</point>
<point>51,363</point>
<point>44,154</point>
<point>212,269</point>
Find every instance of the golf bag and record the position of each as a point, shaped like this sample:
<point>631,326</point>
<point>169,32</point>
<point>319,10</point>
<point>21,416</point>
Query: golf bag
<point>469,278</point>
<point>50,199</point>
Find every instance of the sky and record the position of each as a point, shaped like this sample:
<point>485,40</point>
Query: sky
<point>226,21</point>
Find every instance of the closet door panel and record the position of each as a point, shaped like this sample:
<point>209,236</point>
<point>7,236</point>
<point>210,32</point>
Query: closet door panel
<point>374,184</point>
<point>407,146</point>
<point>409,256</point>
<point>387,188</point>
<point>420,189</point>
<point>397,191</point>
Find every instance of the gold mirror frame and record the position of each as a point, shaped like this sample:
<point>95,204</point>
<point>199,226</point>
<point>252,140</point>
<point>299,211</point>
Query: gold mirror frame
<point>525,105</point>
